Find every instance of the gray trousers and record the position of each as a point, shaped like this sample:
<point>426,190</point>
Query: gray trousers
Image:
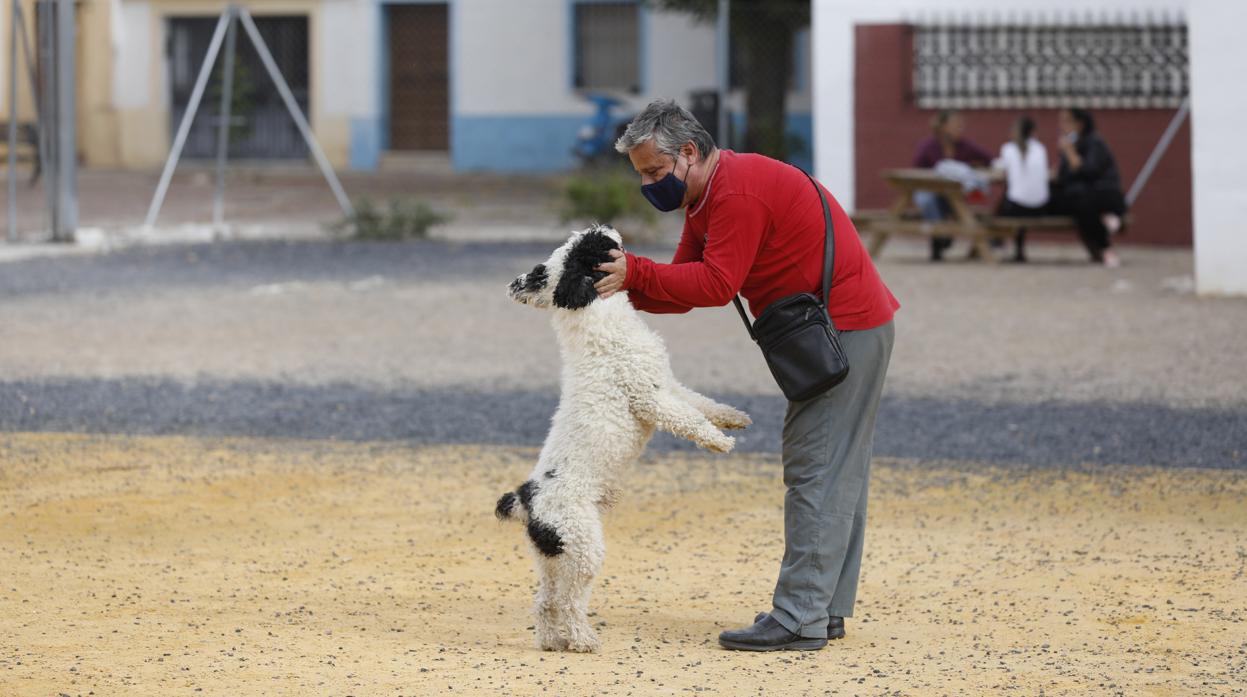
<point>827,448</point>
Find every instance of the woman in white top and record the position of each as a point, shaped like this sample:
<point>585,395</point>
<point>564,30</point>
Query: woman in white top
<point>1025,163</point>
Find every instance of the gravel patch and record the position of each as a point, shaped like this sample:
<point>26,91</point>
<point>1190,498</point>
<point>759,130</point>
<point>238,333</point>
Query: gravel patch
<point>1041,433</point>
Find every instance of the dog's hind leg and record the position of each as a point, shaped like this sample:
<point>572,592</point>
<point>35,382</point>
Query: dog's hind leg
<point>545,608</point>
<point>579,566</point>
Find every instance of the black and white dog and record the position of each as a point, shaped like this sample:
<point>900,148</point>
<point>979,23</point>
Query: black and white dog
<point>617,388</point>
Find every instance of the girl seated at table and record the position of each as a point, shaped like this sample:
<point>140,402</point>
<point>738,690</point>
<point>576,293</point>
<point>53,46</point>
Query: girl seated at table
<point>1025,164</point>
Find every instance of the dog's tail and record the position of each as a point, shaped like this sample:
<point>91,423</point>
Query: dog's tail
<point>511,506</point>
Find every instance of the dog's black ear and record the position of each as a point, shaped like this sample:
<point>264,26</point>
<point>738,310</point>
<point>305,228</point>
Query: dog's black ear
<point>575,288</point>
<point>574,291</point>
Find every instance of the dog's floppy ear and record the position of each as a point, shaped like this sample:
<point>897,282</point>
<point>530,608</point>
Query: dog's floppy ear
<point>575,287</point>
<point>574,291</point>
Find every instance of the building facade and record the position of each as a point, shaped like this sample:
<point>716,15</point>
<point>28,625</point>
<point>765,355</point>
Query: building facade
<point>865,101</point>
<point>485,85</point>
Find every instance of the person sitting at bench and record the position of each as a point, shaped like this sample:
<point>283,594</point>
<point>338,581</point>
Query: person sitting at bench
<point>945,143</point>
<point>1087,185</point>
<point>1025,163</point>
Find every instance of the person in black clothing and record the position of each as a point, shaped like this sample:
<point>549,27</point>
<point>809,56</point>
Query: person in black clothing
<point>1087,185</point>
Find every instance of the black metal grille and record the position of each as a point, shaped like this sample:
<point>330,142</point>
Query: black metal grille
<point>1107,65</point>
<point>261,127</point>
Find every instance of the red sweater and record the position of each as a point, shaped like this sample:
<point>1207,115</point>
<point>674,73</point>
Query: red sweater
<point>758,231</point>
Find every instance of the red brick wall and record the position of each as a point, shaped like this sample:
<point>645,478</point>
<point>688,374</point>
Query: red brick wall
<point>888,126</point>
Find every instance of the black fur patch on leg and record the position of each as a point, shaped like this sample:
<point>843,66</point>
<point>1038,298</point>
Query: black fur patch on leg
<point>526,492</point>
<point>505,505</point>
<point>545,537</point>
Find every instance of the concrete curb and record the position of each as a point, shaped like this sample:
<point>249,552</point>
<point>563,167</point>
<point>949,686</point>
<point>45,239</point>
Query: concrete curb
<point>101,241</point>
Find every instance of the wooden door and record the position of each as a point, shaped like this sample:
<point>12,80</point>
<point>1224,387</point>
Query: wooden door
<point>419,77</point>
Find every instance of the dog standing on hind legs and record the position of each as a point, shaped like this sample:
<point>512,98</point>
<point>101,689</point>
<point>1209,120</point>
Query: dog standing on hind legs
<point>617,389</point>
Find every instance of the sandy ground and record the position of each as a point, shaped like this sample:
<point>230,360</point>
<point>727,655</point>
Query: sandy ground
<point>157,566</point>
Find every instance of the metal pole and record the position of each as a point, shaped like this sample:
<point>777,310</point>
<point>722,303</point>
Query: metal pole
<point>222,148</point>
<point>293,106</point>
<point>34,88</point>
<point>11,233</point>
<point>46,37</point>
<point>1159,151</point>
<point>722,69</point>
<point>179,141</point>
<point>67,122</point>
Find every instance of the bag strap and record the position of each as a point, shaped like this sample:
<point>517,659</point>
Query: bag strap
<point>829,257</point>
<point>744,318</point>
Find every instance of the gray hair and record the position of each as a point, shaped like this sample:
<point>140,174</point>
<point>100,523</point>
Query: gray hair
<point>670,126</point>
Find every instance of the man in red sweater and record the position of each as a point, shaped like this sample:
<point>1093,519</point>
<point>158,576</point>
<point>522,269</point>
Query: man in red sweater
<point>754,226</point>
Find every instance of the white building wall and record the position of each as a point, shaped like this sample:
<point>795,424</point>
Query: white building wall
<point>4,66</point>
<point>515,58</point>
<point>510,58</point>
<point>679,56</point>
<point>132,56</point>
<point>513,102</point>
<point>1219,151</point>
<point>348,28</point>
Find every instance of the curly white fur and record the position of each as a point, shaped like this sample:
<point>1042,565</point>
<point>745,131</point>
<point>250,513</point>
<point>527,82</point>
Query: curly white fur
<point>617,388</point>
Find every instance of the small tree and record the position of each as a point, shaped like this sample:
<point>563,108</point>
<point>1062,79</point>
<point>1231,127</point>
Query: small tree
<point>762,31</point>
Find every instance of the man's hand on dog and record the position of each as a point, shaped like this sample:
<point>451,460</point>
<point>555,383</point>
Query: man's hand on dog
<point>618,270</point>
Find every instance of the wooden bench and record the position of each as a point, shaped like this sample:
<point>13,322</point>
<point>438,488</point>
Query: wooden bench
<point>27,146</point>
<point>1043,222</point>
<point>880,224</point>
<point>883,222</point>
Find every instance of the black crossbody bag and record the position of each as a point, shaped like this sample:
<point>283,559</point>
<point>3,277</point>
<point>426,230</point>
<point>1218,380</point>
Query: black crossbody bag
<point>796,335</point>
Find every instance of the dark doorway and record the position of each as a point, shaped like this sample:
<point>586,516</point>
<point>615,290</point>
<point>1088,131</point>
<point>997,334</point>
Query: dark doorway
<point>419,77</point>
<point>261,126</point>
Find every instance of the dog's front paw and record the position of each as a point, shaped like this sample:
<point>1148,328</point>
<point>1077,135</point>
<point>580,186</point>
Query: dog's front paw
<point>720,444</point>
<point>731,419</point>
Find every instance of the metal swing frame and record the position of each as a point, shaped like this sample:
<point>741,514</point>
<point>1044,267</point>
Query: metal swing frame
<point>225,34</point>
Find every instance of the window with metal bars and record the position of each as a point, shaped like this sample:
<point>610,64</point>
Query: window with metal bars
<point>260,126</point>
<point>1111,65</point>
<point>607,45</point>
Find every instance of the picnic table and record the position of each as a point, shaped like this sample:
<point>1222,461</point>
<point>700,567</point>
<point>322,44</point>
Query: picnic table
<point>902,218</point>
<point>973,222</point>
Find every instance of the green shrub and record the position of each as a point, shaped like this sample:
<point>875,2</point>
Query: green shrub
<point>401,220</point>
<point>606,197</point>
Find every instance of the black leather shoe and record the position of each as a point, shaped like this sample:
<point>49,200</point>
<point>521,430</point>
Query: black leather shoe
<point>768,635</point>
<point>835,626</point>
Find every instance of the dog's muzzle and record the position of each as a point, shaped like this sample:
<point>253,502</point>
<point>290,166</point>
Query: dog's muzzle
<point>516,291</point>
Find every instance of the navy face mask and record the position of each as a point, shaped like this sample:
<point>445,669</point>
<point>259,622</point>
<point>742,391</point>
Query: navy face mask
<point>667,193</point>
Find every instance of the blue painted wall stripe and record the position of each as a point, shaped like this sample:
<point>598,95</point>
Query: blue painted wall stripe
<point>514,143</point>
<point>365,143</point>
